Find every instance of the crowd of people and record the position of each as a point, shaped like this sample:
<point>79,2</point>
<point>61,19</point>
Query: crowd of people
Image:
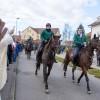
<point>9,51</point>
<point>13,50</point>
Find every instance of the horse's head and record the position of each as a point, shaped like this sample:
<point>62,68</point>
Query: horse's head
<point>95,42</point>
<point>55,41</point>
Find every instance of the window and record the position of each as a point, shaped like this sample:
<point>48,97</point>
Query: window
<point>24,36</point>
<point>33,34</point>
<point>27,30</point>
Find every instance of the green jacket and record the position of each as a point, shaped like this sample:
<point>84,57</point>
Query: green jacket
<point>78,40</point>
<point>45,35</point>
<point>28,41</point>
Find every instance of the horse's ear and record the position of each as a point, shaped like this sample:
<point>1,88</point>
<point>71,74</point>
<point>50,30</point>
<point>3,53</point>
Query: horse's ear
<point>60,36</point>
<point>94,36</point>
<point>53,36</point>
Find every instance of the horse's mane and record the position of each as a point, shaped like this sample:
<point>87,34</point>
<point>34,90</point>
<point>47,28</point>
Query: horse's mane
<point>48,44</point>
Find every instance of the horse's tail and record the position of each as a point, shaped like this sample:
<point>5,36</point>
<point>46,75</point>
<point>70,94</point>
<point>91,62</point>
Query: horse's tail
<point>66,61</point>
<point>63,64</point>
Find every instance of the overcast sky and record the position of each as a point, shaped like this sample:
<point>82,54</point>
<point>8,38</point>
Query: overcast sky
<point>37,13</point>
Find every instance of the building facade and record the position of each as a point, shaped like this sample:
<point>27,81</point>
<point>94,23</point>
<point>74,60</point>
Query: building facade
<point>35,33</point>
<point>95,27</point>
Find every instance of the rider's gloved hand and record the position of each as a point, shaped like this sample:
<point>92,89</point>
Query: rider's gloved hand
<point>45,41</point>
<point>82,44</point>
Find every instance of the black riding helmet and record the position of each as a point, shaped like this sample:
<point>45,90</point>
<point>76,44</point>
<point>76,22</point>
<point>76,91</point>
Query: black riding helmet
<point>48,24</point>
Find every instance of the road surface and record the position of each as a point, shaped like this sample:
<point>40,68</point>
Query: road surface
<point>31,87</point>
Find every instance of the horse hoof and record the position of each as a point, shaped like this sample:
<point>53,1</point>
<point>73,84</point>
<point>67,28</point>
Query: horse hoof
<point>78,84</point>
<point>43,81</point>
<point>36,74</point>
<point>47,91</point>
<point>64,76</point>
<point>89,92</point>
<point>73,81</point>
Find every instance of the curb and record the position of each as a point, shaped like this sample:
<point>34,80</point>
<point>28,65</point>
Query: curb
<point>13,88</point>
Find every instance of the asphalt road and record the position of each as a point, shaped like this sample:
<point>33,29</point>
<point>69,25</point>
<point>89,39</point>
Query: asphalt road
<point>31,87</point>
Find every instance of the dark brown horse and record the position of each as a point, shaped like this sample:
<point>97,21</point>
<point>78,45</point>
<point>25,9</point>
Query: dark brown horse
<point>29,48</point>
<point>84,60</point>
<point>47,59</point>
<point>98,55</point>
<point>35,48</point>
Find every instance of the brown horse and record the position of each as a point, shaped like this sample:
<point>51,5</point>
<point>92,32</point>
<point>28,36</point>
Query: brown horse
<point>47,59</point>
<point>35,48</point>
<point>84,60</point>
<point>98,55</point>
<point>28,50</point>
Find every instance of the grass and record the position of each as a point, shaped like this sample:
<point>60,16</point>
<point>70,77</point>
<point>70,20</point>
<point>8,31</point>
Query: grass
<point>93,71</point>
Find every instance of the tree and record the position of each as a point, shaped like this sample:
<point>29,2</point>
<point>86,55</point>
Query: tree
<point>67,32</point>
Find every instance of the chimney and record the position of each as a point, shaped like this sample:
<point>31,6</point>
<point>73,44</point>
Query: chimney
<point>98,19</point>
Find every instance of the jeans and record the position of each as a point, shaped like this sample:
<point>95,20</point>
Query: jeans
<point>40,51</point>
<point>42,45</point>
<point>76,53</point>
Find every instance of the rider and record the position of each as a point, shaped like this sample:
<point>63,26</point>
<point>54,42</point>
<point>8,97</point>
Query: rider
<point>79,42</point>
<point>45,37</point>
<point>29,40</point>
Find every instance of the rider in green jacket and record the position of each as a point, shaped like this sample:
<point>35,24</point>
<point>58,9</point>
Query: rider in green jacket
<point>45,37</point>
<point>79,43</point>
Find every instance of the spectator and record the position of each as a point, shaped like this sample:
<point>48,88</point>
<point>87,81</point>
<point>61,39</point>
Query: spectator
<point>5,40</point>
<point>10,53</point>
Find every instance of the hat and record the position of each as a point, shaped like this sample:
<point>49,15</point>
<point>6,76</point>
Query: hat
<point>48,24</point>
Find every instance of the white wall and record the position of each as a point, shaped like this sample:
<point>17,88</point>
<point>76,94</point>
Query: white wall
<point>95,30</point>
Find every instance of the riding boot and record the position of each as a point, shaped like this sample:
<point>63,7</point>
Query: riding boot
<point>55,58</point>
<point>75,61</point>
<point>40,51</point>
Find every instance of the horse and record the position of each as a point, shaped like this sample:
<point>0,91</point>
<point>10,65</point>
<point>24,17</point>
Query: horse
<point>98,55</point>
<point>35,47</point>
<point>47,59</point>
<point>28,50</point>
<point>84,61</point>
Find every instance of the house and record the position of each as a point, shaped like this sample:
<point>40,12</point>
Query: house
<point>35,33</point>
<point>89,34</point>
<point>16,37</point>
<point>88,37</point>
<point>95,27</point>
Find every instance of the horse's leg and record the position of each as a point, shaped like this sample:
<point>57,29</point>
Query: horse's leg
<point>29,54</point>
<point>49,70</point>
<point>73,70</point>
<point>87,80</point>
<point>82,74</point>
<point>65,69</point>
<point>99,61</point>
<point>45,78</point>
<point>37,67</point>
<point>66,62</point>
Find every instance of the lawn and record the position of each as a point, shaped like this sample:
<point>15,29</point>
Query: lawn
<point>93,71</point>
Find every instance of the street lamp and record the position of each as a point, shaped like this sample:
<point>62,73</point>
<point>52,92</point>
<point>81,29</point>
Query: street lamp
<point>16,25</point>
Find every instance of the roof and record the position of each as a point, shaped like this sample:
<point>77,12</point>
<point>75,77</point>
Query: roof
<point>39,30</point>
<point>95,23</point>
<point>89,34</point>
<point>17,37</point>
